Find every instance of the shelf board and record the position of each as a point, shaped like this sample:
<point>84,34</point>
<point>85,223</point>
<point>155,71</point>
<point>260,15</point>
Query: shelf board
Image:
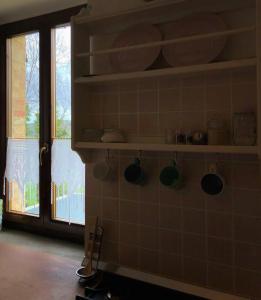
<point>169,148</point>
<point>169,42</point>
<point>216,66</point>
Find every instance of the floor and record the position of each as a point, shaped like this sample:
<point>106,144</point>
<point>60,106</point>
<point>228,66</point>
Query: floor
<point>37,268</point>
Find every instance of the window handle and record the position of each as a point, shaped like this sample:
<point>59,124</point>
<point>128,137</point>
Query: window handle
<point>43,151</point>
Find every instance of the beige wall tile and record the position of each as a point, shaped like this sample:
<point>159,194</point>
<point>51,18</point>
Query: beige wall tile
<point>244,98</point>
<point>220,251</point>
<point>247,202</point>
<point>110,252</point>
<point>149,214</point>
<point>244,76</point>
<point>149,237</point>
<point>193,99</point>
<point>246,175</point>
<point>221,203</point>
<point>149,261</point>
<point>170,217</point>
<point>193,121</point>
<point>195,271</point>
<point>194,246</point>
<point>148,84</point>
<point>129,233</point>
<point>218,78</point>
<point>110,208</point>
<point>148,124</point>
<point>169,120</point>
<point>194,221</point>
<point>169,100</point>
<point>218,98</point>
<point>248,283</point>
<point>169,83</point>
<point>219,224</point>
<point>129,211</point>
<point>192,195</point>
<point>247,229</point>
<point>110,103</point>
<point>110,121</point>
<point>111,230</point>
<point>248,256</point>
<point>129,256</point>
<point>148,101</point>
<point>220,277</point>
<point>171,265</point>
<point>129,124</point>
<point>94,206</point>
<point>129,191</point>
<point>129,102</point>
<point>169,196</point>
<point>170,241</point>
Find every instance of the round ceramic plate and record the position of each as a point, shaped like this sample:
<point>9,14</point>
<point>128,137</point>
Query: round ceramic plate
<point>140,59</point>
<point>198,51</point>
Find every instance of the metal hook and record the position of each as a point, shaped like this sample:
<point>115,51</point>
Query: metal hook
<point>175,156</point>
<point>140,153</point>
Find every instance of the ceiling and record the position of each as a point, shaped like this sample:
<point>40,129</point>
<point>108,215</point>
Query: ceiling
<point>13,10</point>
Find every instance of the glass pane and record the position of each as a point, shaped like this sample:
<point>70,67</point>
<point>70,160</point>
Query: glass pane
<point>67,167</point>
<point>22,170</point>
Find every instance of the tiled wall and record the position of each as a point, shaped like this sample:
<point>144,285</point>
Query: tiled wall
<point>184,235</point>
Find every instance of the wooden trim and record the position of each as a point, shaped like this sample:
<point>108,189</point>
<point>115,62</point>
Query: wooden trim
<point>258,54</point>
<point>36,23</point>
<point>3,140</point>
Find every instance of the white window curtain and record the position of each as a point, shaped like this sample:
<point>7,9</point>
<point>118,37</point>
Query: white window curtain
<point>67,166</point>
<point>22,162</point>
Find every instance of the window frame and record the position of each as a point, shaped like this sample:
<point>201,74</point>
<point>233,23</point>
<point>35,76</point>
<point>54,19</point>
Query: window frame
<point>44,25</point>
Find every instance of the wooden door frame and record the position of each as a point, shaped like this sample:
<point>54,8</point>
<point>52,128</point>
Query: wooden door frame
<point>44,25</point>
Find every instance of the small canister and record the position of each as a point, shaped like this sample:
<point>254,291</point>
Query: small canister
<point>244,129</point>
<point>217,133</point>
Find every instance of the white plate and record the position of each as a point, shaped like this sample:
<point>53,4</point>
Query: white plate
<point>198,51</point>
<point>140,59</point>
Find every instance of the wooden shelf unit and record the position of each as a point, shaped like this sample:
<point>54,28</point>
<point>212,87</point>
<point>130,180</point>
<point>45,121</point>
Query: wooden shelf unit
<point>178,71</point>
<point>169,42</point>
<point>85,26</point>
<point>169,148</point>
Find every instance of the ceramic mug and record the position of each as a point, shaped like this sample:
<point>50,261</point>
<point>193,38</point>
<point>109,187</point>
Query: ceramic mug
<point>213,183</point>
<point>171,176</point>
<point>134,173</point>
<point>103,171</point>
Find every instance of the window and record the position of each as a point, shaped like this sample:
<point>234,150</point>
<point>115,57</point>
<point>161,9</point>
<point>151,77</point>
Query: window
<point>44,178</point>
<point>67,168</point>
<point>23,124</point>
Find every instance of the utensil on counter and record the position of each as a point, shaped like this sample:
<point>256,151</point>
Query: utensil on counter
<point>171,176</point>
<point>93,242</point>
<point>134,173</point>
<point>212,183</point>
<point>244,129</point>
<point>138,59</point>
<point>199,51</point>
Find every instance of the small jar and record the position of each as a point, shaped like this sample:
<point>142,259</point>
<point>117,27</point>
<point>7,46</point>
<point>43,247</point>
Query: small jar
<point>170,137</point>
<point>217,133</point>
